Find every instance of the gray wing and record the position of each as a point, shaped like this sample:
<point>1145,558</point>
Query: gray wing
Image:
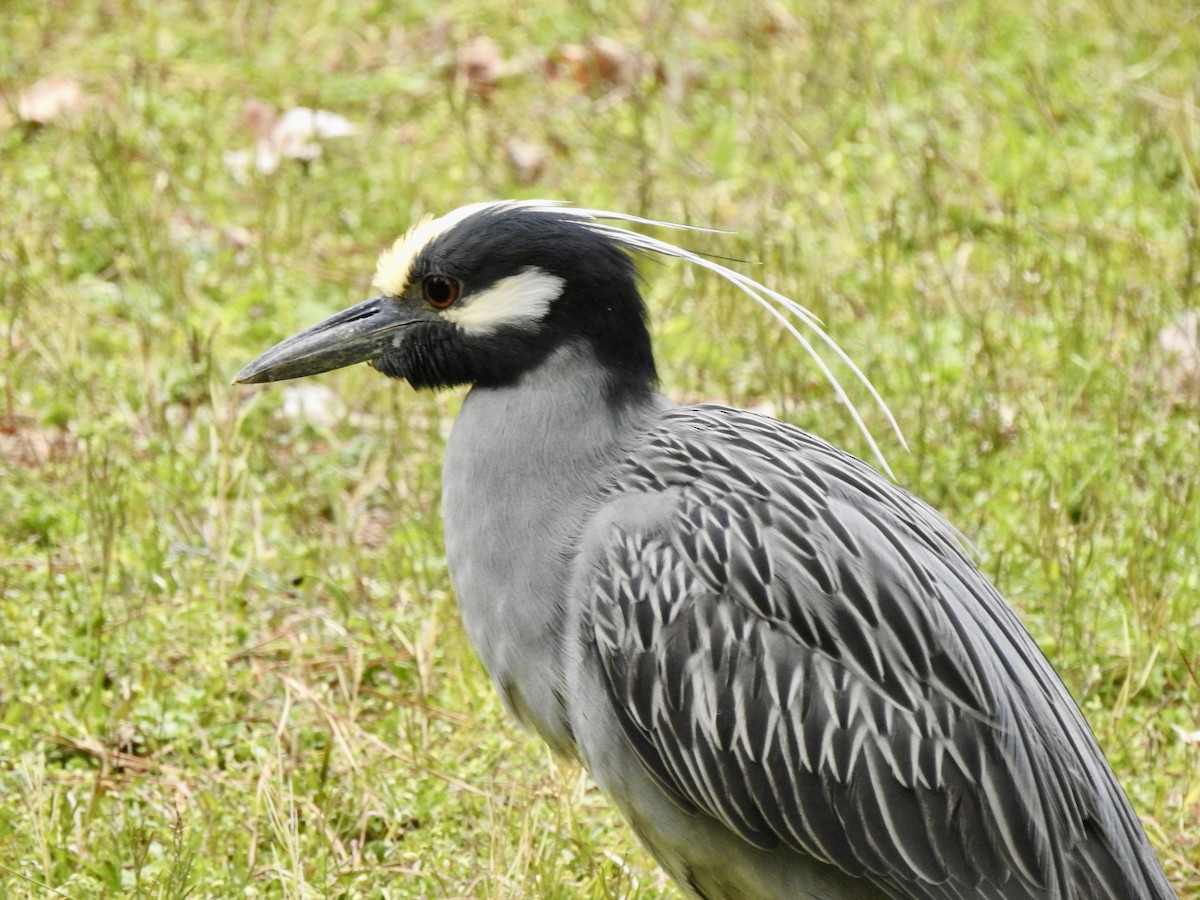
<point>802,650</point>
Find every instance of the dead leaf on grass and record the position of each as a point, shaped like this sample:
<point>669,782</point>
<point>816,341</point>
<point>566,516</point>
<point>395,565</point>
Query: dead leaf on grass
<point>1187,737</point>
<point>373,528</point>
<point>296,134</point>
<point>526,158</point>
<point>1179,350</point>
<point>600,63</point>
<point>479,66</point>
<point>51,98</point>
<point>23,443</point>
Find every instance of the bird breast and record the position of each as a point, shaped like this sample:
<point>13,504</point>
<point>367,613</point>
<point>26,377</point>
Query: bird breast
<point>523,471</point>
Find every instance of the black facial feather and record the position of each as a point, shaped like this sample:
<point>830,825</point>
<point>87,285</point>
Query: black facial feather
<point>440,354</point>
<point>600,304</point>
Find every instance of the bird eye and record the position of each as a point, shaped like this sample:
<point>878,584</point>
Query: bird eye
<point>440,290</point>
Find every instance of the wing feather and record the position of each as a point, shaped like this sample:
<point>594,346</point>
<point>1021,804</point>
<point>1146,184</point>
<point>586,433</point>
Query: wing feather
<point>803,651</point>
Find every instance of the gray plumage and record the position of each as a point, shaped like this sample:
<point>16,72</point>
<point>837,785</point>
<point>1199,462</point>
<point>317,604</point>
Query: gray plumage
<point>782,667</point>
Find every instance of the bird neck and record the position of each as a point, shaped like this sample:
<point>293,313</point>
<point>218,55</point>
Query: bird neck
<point>523,470</point>
<point>617,337</point>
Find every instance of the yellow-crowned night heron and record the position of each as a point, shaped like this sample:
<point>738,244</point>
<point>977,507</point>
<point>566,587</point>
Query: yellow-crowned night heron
<point>781,667</point>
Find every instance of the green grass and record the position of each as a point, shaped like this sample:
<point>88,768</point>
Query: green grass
<point>230,663</point>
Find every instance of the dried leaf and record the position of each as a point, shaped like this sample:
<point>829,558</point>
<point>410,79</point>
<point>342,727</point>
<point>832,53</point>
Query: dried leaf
<point>1187,737</point>
<point>479,66</point>
<point>567,61</point>
<point>612,61</point>
<point>294,135</point>
<point>374,528</point>
<point>258,118</point>
<point>50,99</point>
<point>237,237</point>
<point>776,20</point>
<point>1179,347</point>
<point>602,62</point>
<point>527,159</point>
<point>25,444</point>
<point>302,123</point>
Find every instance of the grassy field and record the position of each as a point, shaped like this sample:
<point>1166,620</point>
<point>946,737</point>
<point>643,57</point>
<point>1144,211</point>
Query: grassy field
<point>230,662</point>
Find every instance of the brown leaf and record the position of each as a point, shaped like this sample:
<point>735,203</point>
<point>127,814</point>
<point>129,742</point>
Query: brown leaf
<point>479,66</point>
<point>568,61</point>
<point>776,20</point>
<point>527,159</point>
<point>1179,347</point>
<point>612,61</point>
<point>23,443</point>
<point>258,118</point>
<point>237,237</point>
<point>373,528</point>
<point>602,62</point>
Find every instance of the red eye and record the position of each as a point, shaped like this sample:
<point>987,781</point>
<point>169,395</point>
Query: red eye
<point>440,290</point>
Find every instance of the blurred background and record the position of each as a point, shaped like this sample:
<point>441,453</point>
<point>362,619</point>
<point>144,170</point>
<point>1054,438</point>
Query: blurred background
<point>230,663</point>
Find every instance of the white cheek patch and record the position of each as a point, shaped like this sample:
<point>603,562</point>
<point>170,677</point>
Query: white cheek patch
<point>520,299</point>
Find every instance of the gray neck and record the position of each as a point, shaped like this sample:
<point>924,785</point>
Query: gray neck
<point>523,469</point>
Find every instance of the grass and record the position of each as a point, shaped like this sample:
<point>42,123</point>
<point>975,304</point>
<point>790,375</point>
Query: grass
<point>230,664</point>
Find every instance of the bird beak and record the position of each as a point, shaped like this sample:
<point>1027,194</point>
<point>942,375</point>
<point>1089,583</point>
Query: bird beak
<point>354,335</point>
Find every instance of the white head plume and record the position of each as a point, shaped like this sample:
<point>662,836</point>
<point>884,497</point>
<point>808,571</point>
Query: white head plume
<point>394,266</point>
